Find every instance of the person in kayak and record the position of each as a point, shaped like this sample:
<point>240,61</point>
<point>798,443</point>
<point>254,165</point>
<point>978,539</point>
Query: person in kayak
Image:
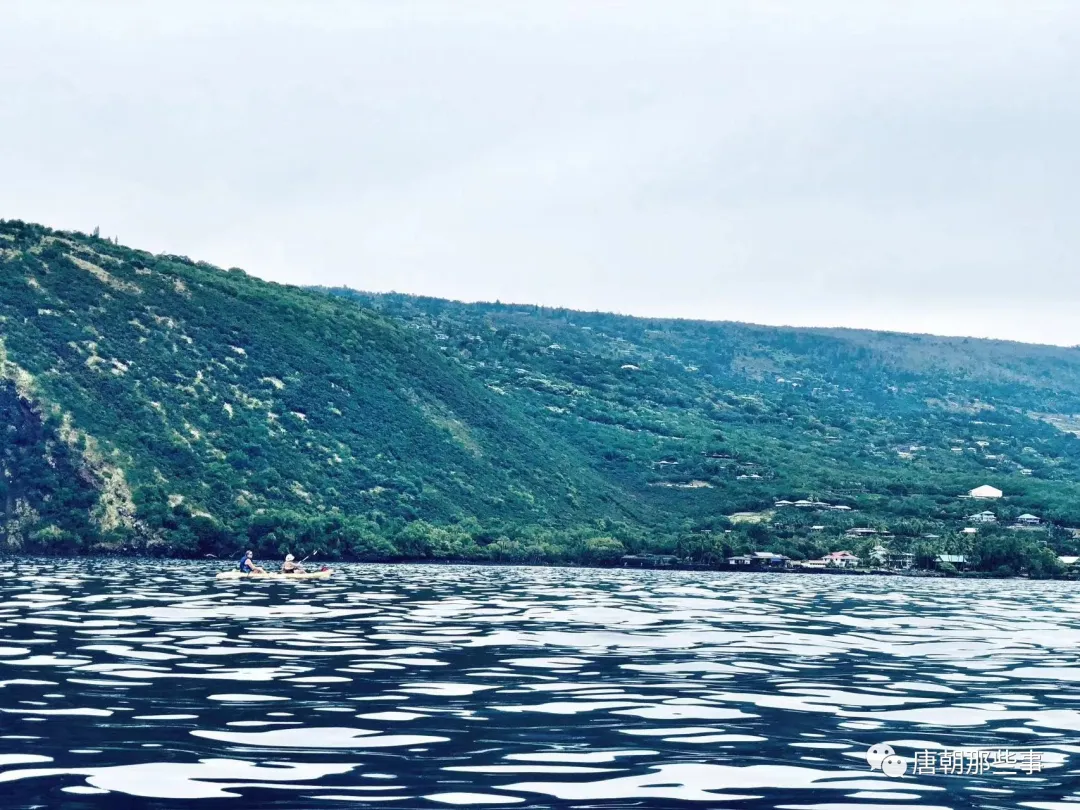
<point>248,566</point>
<point>291,567</point>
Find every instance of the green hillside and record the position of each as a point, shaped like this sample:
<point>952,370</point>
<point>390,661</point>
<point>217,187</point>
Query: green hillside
<point>156,404</point>
<point>700,420</point>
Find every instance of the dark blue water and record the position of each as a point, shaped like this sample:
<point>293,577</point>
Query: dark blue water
<point>152,685</point>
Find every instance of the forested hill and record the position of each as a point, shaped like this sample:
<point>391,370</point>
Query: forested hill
<point>154,404</point>
<point>700,420</point>
<point>151,402</point>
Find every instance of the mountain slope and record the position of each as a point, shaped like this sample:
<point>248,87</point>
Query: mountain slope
<point>155,404</point>
<point>196,403</point>
<point>701,418</point>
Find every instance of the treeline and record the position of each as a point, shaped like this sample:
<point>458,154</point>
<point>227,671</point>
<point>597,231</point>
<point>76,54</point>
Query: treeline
<point>177,532</point>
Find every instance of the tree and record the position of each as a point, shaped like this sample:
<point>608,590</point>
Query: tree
<point>603,550</point>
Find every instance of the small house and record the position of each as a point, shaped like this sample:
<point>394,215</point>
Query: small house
<point>969,530</point>
<point>958,561</point>
<point>900,560</point>
<point>767,558</point>
<point>841,559</point>
<point>894,560</point>
<point>861,532</point>
<point>760,559</point>
<point>985,492</point>
<point>983,517</point>
<point>1028,520</point>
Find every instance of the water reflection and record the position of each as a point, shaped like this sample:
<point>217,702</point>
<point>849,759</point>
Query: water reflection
<point>438,685</point>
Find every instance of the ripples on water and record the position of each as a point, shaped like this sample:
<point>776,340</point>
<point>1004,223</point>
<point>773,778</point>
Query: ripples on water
<point>151,685</point>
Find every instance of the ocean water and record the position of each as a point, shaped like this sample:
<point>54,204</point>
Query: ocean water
<point>152,685</point>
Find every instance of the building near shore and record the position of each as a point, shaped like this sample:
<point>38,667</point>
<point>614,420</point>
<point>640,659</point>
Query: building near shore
<point>958,561</point>
<point>893,560</point>
<point>760,559</point>
<point>841,559</point>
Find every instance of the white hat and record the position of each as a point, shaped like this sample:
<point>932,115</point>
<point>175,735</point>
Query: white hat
<point>288,558</point>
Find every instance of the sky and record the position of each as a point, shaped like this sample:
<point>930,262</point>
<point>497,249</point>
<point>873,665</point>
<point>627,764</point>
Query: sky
<point>907,166</point>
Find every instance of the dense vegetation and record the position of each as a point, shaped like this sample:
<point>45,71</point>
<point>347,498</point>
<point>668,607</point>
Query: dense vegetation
<point>160,405</point>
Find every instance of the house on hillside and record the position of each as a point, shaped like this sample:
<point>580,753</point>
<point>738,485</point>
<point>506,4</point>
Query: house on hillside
<point>840,508</point>
<point>841,559</point>
<point>985,492</point>
<point>1028,521</point>
<point>983,517</point>
<point>861,532</point>
<point>781,504</point>
<point>1069,561</point>
<point>969,530</point>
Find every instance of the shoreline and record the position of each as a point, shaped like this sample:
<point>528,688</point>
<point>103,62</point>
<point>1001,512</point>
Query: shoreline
<point>794,571</point>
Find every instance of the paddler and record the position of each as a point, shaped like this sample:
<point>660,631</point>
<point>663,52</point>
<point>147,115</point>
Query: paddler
<point>248,566</point>
<point>291,567</point>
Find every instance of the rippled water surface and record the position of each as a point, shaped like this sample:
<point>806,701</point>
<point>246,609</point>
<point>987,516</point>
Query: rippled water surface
<point>152,685</point>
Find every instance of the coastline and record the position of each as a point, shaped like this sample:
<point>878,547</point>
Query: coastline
<point>792,571</point>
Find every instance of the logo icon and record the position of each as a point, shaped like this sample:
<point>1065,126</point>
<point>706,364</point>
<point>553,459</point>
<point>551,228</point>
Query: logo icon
<point>882,757</point>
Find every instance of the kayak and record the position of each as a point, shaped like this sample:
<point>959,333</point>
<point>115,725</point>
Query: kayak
<point>275,575</point>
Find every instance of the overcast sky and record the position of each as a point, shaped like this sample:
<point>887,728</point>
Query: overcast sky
<point>911,166</point>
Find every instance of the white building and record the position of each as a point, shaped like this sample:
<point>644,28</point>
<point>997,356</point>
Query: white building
<point>985,491</point>
<point>983,517</point>
<point>841,559</point>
